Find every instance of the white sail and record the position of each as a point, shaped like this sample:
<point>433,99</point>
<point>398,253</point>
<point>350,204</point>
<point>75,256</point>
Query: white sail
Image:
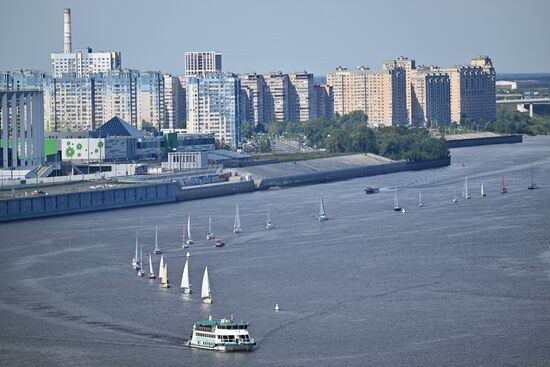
<point>161,266</point>
<point>210,225</point>
<point>136,257</point>
<point>322,208</point>
<point>205,291</point>
<point>151,272</point>
<point>141,255</point>
<point>268,224</point>
<point>420,203</point>
<point>185,276</point>
<point>465,194</point>
<point>237,223</point>
<point>157,249</point>
<point>395,200</point>
<point>189,228</point>
<point>482,189</point>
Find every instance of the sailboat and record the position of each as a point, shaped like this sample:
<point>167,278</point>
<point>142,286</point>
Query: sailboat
<point>141,272</point>
<point>465,194</point>
<point>268,224</point>
<point>396,206</point>
<point>237,225</point>
<point>157,250</point>
<point>136,265</point>
<point>205,291</point>
<point>276,308</point>
<point>455,198</point>
<point>420,203</point>
<point>483,194</point>
<point>210,234</point>
<point>503,189</point>
<point>151,271</point>
<point>184,239</point>
<point>533,185</point>
<point>185,284</point>
<point>189,240</point>
<point>322,214</point>
<point>161,267</point>
<point>164,282</point>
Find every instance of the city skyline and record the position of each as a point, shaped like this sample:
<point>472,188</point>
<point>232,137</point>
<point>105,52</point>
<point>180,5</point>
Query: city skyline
<point>162,44</point>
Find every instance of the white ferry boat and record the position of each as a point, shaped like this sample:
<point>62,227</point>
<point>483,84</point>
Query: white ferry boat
<point>222,335</point>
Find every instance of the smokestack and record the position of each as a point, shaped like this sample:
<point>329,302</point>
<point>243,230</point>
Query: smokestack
<point>67,31</point>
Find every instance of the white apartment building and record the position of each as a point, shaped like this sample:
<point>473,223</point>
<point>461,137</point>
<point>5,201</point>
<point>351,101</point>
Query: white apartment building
<point>202,63</point>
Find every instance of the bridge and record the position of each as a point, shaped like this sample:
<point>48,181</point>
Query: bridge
<point>522,102</point>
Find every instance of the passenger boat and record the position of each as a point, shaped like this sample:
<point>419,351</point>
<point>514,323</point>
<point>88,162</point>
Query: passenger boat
<point>396,206</point>
<point>157,250</point>
<point>210,234</point>
<point>223,335</point>
<point>219,243</point>
<point>237,224</point>
<point>322,214</point>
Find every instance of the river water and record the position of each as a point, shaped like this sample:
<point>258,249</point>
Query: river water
<point>465,284</point>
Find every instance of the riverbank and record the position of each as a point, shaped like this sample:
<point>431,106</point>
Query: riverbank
<point>483,138</point>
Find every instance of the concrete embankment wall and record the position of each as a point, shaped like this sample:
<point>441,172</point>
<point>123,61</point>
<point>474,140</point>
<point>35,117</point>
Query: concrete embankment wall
<point>342,174</point>
<point>208,191</point>
<point>508,139</point>
<point>86,201</point>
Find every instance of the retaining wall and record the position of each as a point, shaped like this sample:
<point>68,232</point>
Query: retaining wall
<point>507,139</point>
<point>212,190</point>
<point>343,174</point>
<point>86,201</point>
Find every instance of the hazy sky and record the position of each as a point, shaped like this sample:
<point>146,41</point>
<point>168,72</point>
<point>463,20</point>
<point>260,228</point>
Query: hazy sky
<point>287,35</point>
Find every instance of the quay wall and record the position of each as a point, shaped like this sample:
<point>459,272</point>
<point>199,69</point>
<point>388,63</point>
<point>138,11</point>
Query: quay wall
<point>86,201</point>
<point>348,173</point>
<point>507,139</point>
<point>213,190</point>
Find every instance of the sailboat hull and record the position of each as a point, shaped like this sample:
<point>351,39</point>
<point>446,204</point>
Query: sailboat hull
<point>152,277</point>
<point>207,300</point>
<point>187,291</point>
<point>237,230</point>
<point>189,242</point>
<point>210,236</point>
<point>157,252</point>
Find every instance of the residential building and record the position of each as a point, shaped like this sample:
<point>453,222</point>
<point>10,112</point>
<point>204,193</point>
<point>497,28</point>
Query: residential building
<point>408,67</point>
<point>431,97</point>
<point>473,90</point>
<point>254,91</point>
<point>276,106</point>
<point>150,100</point>
<point>179,161</point>
<point>301,106</point>
<point>342,83</point>
<point>84,62</point>
<point>21,129</point>
<point>323,101</point>
<point>202,63</point>
<point>213,106</point>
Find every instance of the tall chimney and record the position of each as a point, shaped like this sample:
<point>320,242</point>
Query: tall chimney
<point>67,31</point>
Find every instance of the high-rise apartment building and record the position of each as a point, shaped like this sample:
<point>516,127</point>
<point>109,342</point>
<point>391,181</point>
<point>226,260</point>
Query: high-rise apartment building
<point>213,106</point>
<point>300,97</point>
<point>81,62</point>
<point>150,100</point>
<point>276,97</point>
<point>431,96</point>
<point>381,95</point>
<point>408,67</point>
<point>202,63</point>
<point>173,95</point>
<point>473,90</point>
<point>254,90</point>
<point>323,101</point>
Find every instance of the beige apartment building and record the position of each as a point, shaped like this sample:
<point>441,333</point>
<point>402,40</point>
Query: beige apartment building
<point>381,94</point>
<point>473,90</point>
<point>276,97</point>
<point>408,67</point>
